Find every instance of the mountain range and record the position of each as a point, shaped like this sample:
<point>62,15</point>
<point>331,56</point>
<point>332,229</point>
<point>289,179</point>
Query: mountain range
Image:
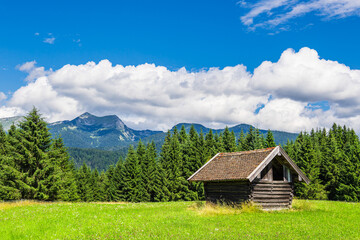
<point>110,133</point>
<point>101,141</point>
<point>89,131</point>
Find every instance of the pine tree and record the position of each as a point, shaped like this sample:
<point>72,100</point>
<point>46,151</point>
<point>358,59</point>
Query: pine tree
<point>229,141</point>
<point>259,140</point>
<point>270,142</point>
<point>145,172</point>
<point>63,183</point>
<point>133,189</point>
<point>242,142</point>
<point>183,135</point>
<point>210,145</point>
<point>10,178</point>
<point>149,172</point>
<point>83,180</point>
<point>98,195</point>
<point>219,143</point>
<point>250,139</point>
<point>161,182</point>
<point>115,191</point>
<point>33,145</point>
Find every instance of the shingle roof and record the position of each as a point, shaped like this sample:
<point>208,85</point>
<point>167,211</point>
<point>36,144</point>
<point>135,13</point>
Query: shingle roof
<point>231,166</point>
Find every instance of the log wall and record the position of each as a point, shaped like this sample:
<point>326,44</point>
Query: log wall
<point>225,192</point>
<point>267,194</point>
<point>272,194</point>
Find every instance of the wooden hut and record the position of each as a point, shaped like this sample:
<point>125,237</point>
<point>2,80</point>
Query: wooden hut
<point>265,177</point>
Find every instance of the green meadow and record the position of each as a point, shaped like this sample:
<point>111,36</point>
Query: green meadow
<point>177,220</point>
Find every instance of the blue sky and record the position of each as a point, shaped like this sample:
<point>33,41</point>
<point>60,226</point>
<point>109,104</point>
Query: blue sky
<point>197,35</point>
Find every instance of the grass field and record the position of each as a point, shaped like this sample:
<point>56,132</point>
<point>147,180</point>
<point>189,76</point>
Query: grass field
<point>177,220</point>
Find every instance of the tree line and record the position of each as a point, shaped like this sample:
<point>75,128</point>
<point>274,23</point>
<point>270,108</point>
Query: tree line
<point>146,175</point>
<point>331,159</point>
<point>33,166</point>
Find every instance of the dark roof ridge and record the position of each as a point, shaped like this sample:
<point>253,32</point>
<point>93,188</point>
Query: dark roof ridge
<point>246,152</point>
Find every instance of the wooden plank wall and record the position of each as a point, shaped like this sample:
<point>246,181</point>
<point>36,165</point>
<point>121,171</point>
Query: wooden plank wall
<point>272,194</point>
<point>227,192</point>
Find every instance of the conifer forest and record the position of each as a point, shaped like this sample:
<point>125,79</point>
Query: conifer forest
<point>35,166</point>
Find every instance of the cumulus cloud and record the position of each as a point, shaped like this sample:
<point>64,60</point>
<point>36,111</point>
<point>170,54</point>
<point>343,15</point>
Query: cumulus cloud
<point>33,71</point>
<point>154,97</point>
<point>304,77</point>
<point>271,13</point>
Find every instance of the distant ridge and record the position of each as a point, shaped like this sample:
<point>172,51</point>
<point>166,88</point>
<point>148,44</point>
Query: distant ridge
<point>90,131</point>
<point>280,137</point>
<point>111,133</point>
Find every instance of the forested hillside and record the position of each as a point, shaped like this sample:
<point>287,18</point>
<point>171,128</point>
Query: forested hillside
<point>96,158</point>
<point>32,166</point>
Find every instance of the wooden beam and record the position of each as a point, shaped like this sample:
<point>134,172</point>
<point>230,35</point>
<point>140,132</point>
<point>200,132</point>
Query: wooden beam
<point>263,164</point>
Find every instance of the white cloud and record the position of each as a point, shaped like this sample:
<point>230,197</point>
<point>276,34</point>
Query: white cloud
<point>49,40</point>
<point>33,71</point>
<point>27,67</point>
<point>271,13</point>
<point>304,77</point>
<point>149,96</point>
<point>11,111</point>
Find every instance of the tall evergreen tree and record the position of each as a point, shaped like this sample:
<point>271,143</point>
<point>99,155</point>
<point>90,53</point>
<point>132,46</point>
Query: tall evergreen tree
<point>83,180</point>
<point>133,189</point>
<point>242,142</point>
<point>149,172</point>
<point>63,186</point>
<point>229,141</point>
<point>210,145</point>
<point>10,177</point>
<point>270,142</point>
<point>33,143</point>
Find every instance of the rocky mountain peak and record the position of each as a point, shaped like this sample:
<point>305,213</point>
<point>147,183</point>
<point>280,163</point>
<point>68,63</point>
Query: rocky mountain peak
<point>87,121</point>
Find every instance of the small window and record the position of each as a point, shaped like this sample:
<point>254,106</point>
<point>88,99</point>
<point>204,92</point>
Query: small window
<point>287,174</point>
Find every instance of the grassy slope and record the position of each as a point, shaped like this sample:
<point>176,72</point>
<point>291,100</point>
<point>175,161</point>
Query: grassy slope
<point>176,220</point>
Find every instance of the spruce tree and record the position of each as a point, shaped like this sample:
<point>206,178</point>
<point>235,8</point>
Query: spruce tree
<point>270,142</point>
<point>10,177</point>
<point>83,180</point>
<point>229,141</point>
<point>161,192</point>
<point>116,182</point>
<point>33,145</point>
<point>149,172</point>
<point>64,182</point>
<point>133,189</point>
<point>241,142</point>
<point>145,172</point>
<point>210,145</point>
